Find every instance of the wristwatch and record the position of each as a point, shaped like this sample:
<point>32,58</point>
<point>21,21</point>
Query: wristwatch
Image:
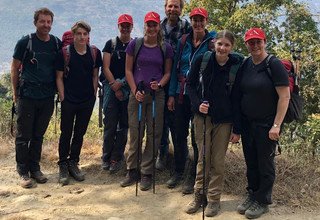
<point>159,86</point>
<point>275,125</point>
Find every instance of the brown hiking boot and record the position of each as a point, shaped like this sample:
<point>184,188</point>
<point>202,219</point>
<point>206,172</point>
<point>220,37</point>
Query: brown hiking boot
<point>39,177</point>
<point>25,181</point>
<point>131,177</point>
<point>212,209</point>
<point>196,203</point>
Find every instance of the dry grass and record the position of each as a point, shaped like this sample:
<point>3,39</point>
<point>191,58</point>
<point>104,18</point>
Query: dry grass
<point>297,180</point>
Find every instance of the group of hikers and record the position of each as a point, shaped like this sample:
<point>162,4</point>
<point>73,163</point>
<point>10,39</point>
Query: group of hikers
<point>178,75</point>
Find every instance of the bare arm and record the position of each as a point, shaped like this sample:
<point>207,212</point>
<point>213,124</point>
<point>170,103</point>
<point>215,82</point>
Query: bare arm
<point>15,78</point>
<point>95,79</point>
<point>60,85</point>
<point>115,85</point>
<point>283,102</point>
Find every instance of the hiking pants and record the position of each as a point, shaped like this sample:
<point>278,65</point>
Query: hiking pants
<point>217,140</point>
<point>183,117</point>
<point>74,123</point>
<point>146,155</point>
<point>259,153</point>
<point>115,129</point>
<point>33,117</point>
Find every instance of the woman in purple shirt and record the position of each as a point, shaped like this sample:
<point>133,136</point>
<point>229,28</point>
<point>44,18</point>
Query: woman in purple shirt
<point>147,70</point>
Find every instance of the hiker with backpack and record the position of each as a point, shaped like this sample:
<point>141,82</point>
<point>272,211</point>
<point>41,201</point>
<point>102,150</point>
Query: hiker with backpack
<point>33,88</point>
<point>173,27</point>
<point>210,80</point>
<point>263,102</point>
<point>116,95</point>
<point>189,47</point>
<point>148,62</point>
<point>77,69</point>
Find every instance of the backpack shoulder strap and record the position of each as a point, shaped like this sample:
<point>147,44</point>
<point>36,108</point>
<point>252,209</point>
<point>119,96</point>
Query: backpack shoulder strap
<point>205,60</point>
<point>113,44</point>
<point>94,52</point>
<point>57,42</point>
<point>137,47</point>
<point>234,68</point>
<point>268,65</point>
<point>66,58</point>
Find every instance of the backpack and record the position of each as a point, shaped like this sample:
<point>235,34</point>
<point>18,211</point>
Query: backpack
<point>137,47</point>
<point>102,78</point>
<point>233,70</point>
<point>66,57</point>
<point>296,102</point>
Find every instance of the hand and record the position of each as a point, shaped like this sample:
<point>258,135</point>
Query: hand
<point>15,98</point>
<point>61,97</point>
<point>234,138</point>
<point>139,96</point>
<point>116,86</point>
<point>204,107</point>
<point>154,85</point>
<point>119,95</point>
<point>170,103</point>
<point>274,133</point>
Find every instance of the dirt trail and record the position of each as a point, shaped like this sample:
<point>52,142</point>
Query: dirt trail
<point>101,197</point>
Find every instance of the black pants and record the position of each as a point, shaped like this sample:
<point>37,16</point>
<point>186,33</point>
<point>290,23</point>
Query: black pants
<point>259,153</point>
<point>183,117</point>
<point>74,123</point>
<point>33,117</point>
<point>115,129</point>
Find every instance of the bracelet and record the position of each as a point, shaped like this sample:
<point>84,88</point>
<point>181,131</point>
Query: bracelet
<point>111,83</point>
<point>159,86</point>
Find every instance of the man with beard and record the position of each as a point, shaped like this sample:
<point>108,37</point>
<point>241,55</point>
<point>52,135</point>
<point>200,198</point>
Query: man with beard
<point>173,27</point>
<point>33,87</point>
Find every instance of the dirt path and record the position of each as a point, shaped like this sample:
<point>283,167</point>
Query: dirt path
<point>101,197</point>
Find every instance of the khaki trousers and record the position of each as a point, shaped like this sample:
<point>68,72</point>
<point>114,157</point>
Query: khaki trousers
<point>217,140</point>
<point>146,155</point>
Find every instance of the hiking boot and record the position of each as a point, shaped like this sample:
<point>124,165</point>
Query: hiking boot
<point>256,210</point>
<point>161,163</point>
<point>105,165</point>
<point>75,172</point>
<point>242,208</point>
<point>188,186</point>
<point>115,166</point>
<point>212,209</point>
<point>196,203</point>
<point>174,180</point>
<point>39,177</point>
<point>63,174</point>
<point>25,181</point>
<point>131,177</point>
<point>146,182</point>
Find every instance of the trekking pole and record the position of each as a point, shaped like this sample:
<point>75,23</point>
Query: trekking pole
<point>100,96</point>
<point>204,160</point>
<point>140,89</point>
<point>56,114</point>
<point>153,139</point>
<point>13,111</point>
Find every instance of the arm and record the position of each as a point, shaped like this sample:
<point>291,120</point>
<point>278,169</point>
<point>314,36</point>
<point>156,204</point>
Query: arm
<point>15,78</point>
<point>60,85</point>
<point>129,76</point>
<point>95,78</point>
<point>166,75</point>
<point>115,85</point>
<point>282,106</point>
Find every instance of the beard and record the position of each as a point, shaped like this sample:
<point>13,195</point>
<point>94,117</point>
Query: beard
<point>173,17</point>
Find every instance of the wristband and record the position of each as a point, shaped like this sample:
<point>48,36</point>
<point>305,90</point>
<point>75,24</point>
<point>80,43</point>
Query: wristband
<point>159,86</point>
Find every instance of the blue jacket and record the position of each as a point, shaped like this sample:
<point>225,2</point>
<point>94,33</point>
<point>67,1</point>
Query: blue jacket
<point>181,66</point>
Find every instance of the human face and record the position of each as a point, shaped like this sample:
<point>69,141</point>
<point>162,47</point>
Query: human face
<point>81,36</point>
<point>43,24</point>
<point>125,28</point>
<point>151,29</point>
<point>223,47</point>
<point>256,47</point>
<point>198,23</point>
<point>173,10</point>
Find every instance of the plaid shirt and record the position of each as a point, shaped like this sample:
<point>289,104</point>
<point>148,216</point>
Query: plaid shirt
<point>172,37</point>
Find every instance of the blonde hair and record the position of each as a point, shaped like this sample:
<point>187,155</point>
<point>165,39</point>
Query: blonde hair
<point>80,24</point>
<point>160,38</point>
